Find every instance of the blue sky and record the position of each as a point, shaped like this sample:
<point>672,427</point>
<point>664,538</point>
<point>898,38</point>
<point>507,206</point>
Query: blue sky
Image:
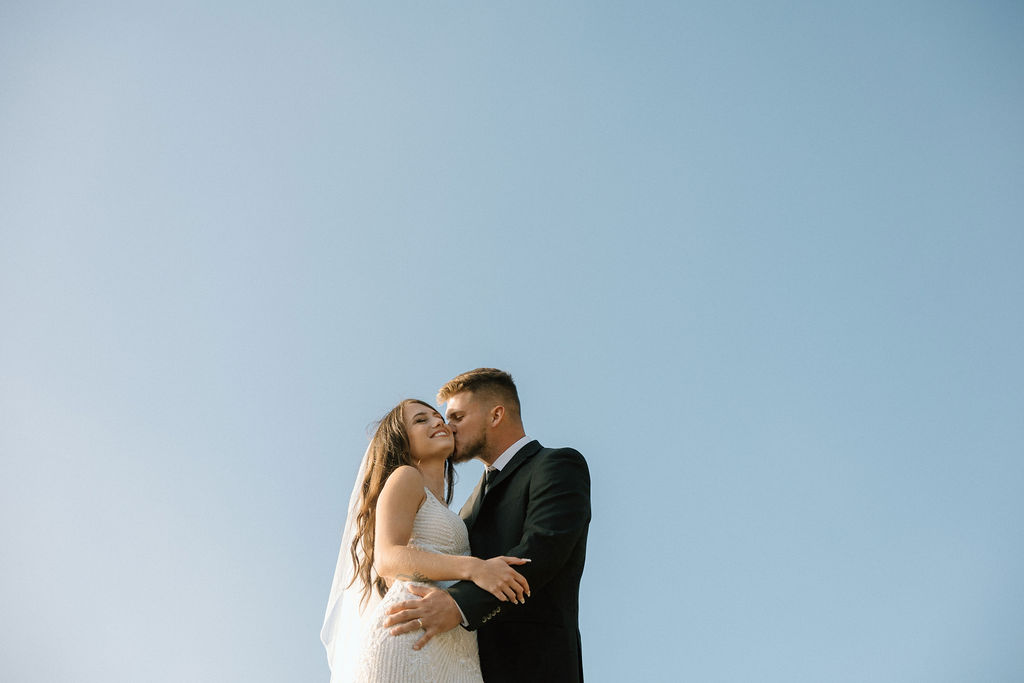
<point>760,264</point>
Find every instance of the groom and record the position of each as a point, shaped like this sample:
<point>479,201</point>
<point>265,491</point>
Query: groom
<point>532,502</point>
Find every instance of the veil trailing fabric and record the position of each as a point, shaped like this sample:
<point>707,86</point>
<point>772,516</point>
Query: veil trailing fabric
<point>344,607</point>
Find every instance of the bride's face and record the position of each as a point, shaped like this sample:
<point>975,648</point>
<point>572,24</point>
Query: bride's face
<point>429,437</point>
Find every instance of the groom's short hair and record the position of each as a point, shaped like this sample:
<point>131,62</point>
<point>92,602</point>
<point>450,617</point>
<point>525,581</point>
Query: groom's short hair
<point>490,382</point>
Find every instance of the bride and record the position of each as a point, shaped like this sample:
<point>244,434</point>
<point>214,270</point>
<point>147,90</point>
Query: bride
<point>399,531</point>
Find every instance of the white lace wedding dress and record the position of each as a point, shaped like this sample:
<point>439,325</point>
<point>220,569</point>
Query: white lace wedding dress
<point>450,657</point>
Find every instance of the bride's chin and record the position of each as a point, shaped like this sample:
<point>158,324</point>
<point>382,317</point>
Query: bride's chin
<point>442,453</point>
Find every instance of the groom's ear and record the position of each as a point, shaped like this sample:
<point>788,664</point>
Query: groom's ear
<point>497,413</point>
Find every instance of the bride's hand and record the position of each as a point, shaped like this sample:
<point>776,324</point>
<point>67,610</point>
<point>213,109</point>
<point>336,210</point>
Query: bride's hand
<point>497,577</point>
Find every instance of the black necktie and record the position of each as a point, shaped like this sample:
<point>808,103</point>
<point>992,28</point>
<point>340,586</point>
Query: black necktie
<point>489,476</point>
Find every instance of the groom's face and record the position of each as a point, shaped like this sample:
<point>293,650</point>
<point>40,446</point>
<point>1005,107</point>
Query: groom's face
<point>466,418</point>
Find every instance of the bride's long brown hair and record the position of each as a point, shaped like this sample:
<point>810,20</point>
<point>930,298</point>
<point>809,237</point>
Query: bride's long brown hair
<point>389,450</point>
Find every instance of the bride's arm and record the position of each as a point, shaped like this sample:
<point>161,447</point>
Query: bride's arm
<point>397,505</point>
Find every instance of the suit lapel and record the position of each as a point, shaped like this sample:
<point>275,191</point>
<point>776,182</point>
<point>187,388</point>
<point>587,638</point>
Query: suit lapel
<point>471,510</point>
<point>524,454</point>
<point>472,507</point>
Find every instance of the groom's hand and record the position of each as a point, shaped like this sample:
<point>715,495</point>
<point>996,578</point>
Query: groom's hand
<point>434,611</point>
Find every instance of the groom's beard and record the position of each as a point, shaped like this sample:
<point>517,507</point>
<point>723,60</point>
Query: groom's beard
<point>467,450</point>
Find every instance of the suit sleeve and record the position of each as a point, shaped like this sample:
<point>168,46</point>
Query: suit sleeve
<point>557,516</point>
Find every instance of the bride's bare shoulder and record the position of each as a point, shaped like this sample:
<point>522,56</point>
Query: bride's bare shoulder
<point>404,480</point>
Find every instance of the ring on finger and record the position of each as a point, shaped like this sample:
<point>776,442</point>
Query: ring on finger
<point>420,622</point>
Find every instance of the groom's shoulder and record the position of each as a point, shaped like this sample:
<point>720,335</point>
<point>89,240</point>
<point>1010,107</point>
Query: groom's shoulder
<point>561,469</point>
<point>553,457</point>
<point>561,451</point>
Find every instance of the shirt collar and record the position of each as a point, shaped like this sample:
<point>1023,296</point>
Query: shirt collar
<point>510,452</point>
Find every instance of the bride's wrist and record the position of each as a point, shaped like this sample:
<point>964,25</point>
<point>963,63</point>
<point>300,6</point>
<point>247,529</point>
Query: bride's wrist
<point>472,566</point>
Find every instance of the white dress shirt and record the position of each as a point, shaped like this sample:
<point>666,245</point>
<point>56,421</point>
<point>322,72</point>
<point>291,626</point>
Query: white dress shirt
<point>510,453</point>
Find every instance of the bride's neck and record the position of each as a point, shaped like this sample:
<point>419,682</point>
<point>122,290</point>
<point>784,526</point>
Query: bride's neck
<point>433,477</point>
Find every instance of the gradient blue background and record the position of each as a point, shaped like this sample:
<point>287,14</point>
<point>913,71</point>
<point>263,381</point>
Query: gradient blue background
<point>761,264</point>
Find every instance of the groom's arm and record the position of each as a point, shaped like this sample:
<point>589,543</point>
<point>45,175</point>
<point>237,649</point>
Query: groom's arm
<point>557,516</point>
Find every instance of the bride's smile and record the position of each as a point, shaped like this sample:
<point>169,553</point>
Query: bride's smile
<point>429,437</point>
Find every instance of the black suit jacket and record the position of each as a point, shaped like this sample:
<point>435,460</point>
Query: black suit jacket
<point>537,507</point>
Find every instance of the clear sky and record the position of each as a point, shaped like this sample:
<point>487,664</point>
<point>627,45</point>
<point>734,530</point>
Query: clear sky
<point>761,263</point>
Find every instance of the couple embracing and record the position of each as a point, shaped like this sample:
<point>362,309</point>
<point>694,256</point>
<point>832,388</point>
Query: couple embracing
<point>421,594</point>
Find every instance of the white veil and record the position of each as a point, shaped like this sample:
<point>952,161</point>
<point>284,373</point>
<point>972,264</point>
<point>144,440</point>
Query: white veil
<point>344,610</point>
